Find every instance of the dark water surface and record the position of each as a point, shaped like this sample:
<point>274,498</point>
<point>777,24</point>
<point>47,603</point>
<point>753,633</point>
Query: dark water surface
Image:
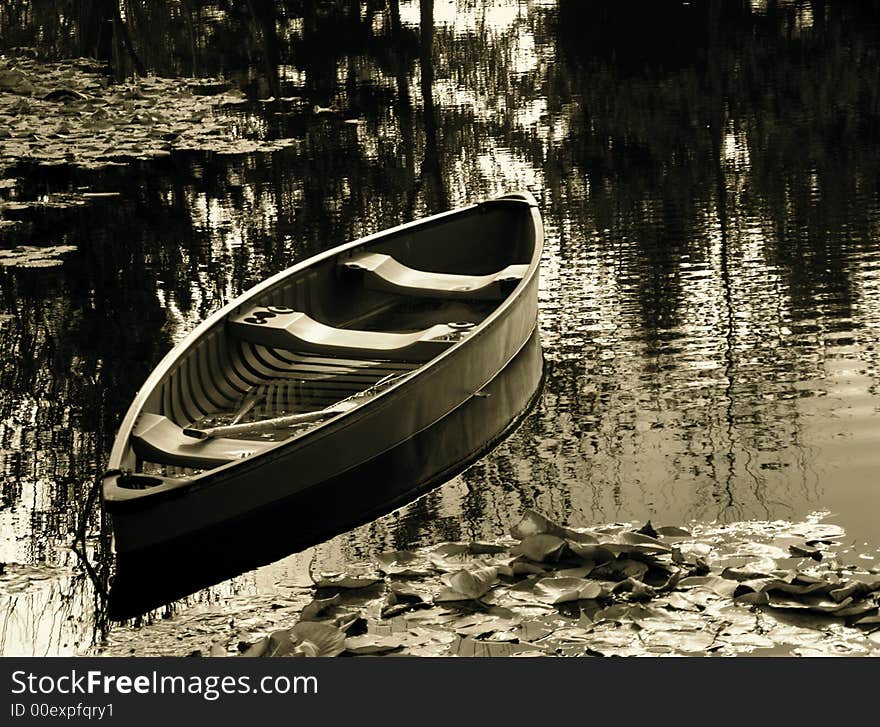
<point>709,176</point>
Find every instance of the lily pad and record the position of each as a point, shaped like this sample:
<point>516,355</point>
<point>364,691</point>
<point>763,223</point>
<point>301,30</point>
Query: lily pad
<point>540,547</point>
<point>343,581</point>
<point>716,584</point>
<point>373,644</point>
<point>563,590</point>
<point>471,583</point>
<point>317,639</point>
<point>534,523</point>
<point>402,563</point>
<point>314,610</point>
<point>31,256</point>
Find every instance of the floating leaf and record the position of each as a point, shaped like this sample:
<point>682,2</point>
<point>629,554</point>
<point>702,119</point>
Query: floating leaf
<point>341,580</point>
<point>592,552</point>
<point>540,547</point>
<point>317,639</point>
<point>451,557</point>
<point>482,625</point>
<point>817,531</point>
<point>533,523</point>
<point>373,644</point>
<point>668,531</point>
<point>450,595</point>
<point>680,602</point>
<point>15,81</point>
<point>445,550</point>
<point>408,591</point>
<point>776,585</point>
<point>279,643</point>
<point>313,610</point>
<point>399,562</point>
<point>479,548</point>
<point>716,584</point>
<point>859,608</point>
<point>695,549</point>
<point>751,598</point>
<point>853,589</point>
<point>645,543</point>
<point>800,552</point>
<point>686,642</point>
<point>820,605</point>
<point>637,590</point>
<point>626,612</point>
<point>563,590</point>
<point>470,647</point>
<point>648,529</point>
<point>580,572</point>
<point>743,574</point>
<point>258,648</point>
<point>628,568</point>
<point>471,583</point>
<point>524,568</point>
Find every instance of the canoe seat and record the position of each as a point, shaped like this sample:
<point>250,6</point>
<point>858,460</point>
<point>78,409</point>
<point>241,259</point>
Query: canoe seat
<point>284,328</point>
<point>383,272</point>
<point>156,438</point>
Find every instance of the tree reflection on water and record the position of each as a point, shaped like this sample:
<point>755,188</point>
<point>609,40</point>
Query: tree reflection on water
<point>708,177</point>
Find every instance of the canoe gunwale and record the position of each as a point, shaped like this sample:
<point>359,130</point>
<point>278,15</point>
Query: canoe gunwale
<point>116,496</point>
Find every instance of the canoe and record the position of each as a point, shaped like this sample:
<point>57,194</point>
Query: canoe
<point>147,579</point>
<point>313,375</point>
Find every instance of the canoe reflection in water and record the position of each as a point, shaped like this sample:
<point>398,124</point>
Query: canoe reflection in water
<point>326,396</point>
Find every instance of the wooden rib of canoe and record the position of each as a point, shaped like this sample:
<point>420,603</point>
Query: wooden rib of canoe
<point>323,368</point>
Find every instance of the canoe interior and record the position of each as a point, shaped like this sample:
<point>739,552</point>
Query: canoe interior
<point>234,374</point>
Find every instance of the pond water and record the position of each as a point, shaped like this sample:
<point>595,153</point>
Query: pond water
<point>709,177</point>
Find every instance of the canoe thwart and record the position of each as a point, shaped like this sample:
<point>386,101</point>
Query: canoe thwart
<point>284,328</point>
<point>383,272</point>
<point>156,438</point>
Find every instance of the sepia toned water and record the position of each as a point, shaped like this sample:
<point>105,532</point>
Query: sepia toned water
<point>709,177</point>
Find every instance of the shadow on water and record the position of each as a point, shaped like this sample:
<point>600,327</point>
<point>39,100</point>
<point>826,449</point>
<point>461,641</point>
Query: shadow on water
<point>707,173</point>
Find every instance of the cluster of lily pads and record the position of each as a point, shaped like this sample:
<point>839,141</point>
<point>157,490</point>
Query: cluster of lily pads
<point>69,113</point>
<point>33,256</point>
<point>759,587</point>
